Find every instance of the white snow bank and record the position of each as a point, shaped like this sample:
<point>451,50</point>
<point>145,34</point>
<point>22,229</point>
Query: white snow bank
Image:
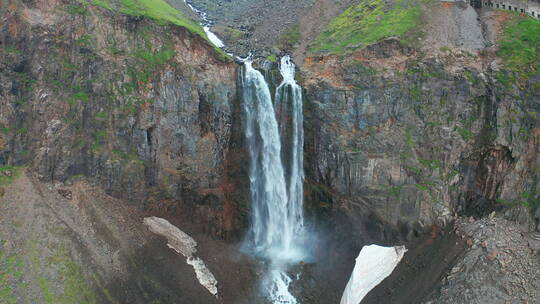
<point>176,238</point>
<point>373,264</point>
<point>184,244</point>
<point>205,277</point>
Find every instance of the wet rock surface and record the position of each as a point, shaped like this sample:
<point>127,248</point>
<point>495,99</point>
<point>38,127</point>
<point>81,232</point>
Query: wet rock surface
<point>416,138</point>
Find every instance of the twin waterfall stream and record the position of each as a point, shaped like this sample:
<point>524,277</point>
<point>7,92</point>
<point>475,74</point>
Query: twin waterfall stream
<point>277,232</point>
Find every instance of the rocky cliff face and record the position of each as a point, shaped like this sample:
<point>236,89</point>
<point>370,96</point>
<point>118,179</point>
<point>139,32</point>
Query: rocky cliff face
<point>146,110</point>
<point>415,135</point>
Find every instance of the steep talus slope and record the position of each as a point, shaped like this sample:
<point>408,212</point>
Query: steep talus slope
<point>252,25</point>
<point>499,254</point>
<point>269,28</point>
<point>143,106</point>
<point>72,243</point>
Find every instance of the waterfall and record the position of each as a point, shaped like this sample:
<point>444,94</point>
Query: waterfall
<point>289,93</point>
<point>277,221</point>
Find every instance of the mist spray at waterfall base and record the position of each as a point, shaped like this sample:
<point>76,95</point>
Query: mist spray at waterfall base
<point>277,232</point>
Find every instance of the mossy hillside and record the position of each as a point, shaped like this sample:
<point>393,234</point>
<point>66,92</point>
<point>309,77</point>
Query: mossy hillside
<point>53,273</point>
<point>157,10</point>
<point>367,23</point>
<point>519,48</point>
<point>161,11</point>
<point>75,286</point>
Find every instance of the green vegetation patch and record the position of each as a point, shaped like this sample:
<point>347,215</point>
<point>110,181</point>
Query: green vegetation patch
<point>11,50</point>
<point>272,58</point>
<point>10,275</point>
<point>155,58</point>
<point>8,174</point>
<point>519,47</point>
<point>75,286</point>
<point>76,9</point>
<point>290,37</point>
<point>103,3</point>
<point>367,23</point>
<point>527,199</point>
<point>162,12</point>
<point>148,63</point>
<point>228,33</point>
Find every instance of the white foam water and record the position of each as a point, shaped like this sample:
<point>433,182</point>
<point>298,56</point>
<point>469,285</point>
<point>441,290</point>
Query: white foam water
<point>206,24</point>
<point>277,222</point>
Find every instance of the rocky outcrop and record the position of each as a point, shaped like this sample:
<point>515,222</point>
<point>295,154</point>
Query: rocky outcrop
<point>146,110</point>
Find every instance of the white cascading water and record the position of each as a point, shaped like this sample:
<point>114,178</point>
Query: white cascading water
<point>277,222</point>
<point>206,23</point>
<point>289,92</point>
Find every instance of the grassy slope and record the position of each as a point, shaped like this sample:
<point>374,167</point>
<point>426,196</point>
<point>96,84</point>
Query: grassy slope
<point>158,10</point>
<point>519,47</point>
<point>366,23</point>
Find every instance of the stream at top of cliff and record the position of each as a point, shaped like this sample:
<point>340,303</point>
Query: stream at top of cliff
<point>206,23</point>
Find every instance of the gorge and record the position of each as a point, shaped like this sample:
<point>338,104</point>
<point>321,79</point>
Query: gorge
<point>400,122</point>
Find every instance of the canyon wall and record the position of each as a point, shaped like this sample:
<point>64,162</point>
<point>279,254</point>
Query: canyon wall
<point>413,135</point>
<point>147,110</point>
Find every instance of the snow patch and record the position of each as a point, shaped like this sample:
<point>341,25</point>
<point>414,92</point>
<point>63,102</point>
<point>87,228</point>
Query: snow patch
<point>373,265</point>
<point>184,244</point>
